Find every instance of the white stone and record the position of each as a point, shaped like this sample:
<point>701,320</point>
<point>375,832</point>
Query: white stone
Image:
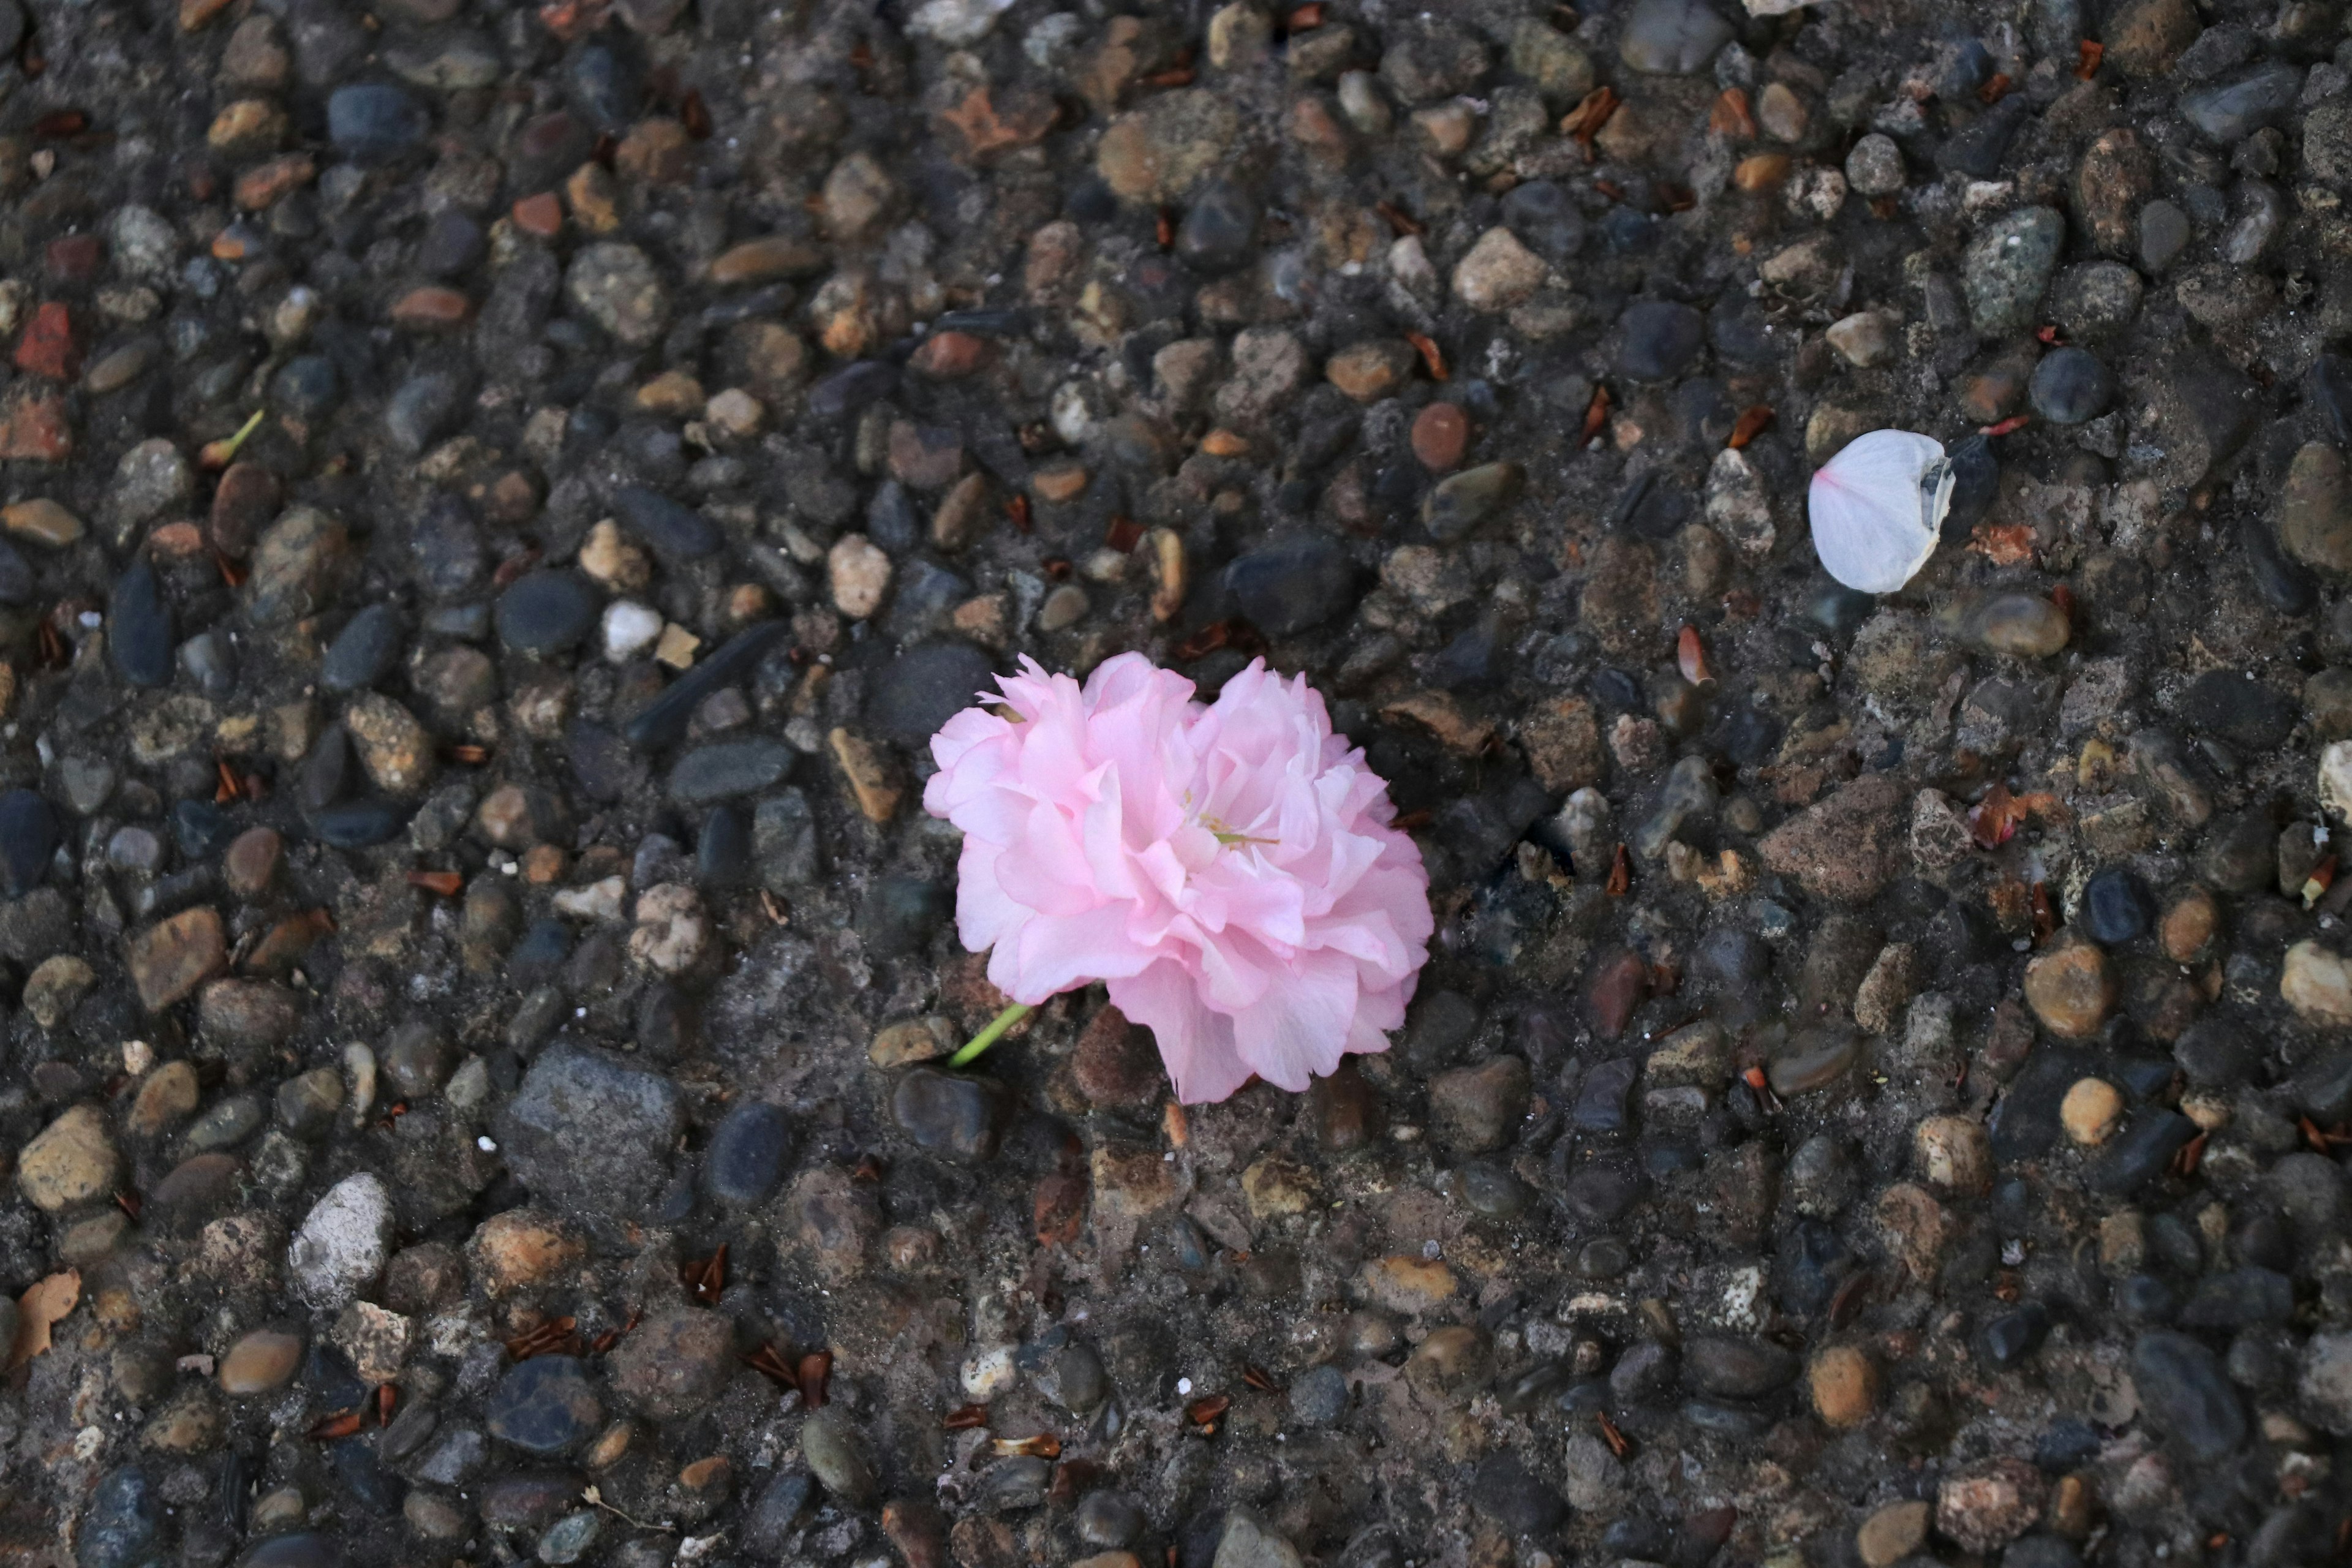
<point>340,1248</point>
<point>860,573</point>
<point>2336,778</point>
<point>989,1374</point>
<point>957,24</point>
<point>630,628</point>
<point>2316,984</point>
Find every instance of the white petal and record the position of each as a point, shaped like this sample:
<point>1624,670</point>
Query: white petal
<point>1876,507</point>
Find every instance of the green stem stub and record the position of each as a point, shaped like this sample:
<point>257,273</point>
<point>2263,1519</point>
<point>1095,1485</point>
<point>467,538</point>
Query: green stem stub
<point>990,1035</point>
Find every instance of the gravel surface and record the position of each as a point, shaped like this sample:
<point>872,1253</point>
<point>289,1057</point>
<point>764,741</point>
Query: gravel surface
<point>496,499</point>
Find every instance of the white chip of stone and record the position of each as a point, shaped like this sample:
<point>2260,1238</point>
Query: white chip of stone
<point>630,628</point>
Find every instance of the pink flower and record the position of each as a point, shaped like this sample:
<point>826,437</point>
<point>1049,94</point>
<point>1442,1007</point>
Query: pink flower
<point>1229,871</point>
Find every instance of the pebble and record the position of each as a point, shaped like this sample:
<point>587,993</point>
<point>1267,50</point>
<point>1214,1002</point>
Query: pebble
<point>950,1114</point>
<point>1733,1368</point>
<point>1990,1503</point>
<point>586,1129</point>
<point>1672,37</point>
<point>546,614</point>
<point>673,532</point>
<point>617,287</point>
<point>2116,908</point>
<point>2070,386</point>
<point>2185,1395</point>
<point>341,1247</point>
<point>2070,991</point>
<point>68,1162</point>
<point>28,841</point>
<point>2091,1110</point>
<point>260,1362</point>
<point>674,1363</point>
<point>1293,585</point>
<point>729,769</point>
<point>1892,1533</point>
<point>835,1452</point>
<point>2009,265</point>
<point>372,122</point>
<point>1844,1384</point>
<point>745,1158</point>
<point>1661,338</point>
<point>546,1406</point>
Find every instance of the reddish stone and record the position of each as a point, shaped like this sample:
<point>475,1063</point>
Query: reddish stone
<point>177,540</point>
<point>1620,983</point>
<point>430,306</point>
<point>264,186</point>
<point>36,428</point>
<point>47,346</point>
<point>244,501</point>
<point>947,355</point>
<point>74,257</point>
<point>1440,434</point>
<point>542,214</point>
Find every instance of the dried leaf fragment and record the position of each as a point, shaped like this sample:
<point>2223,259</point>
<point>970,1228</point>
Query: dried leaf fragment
<point>39,1309</point>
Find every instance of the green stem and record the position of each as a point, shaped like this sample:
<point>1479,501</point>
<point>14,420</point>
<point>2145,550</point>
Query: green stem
<point>990,1035</point>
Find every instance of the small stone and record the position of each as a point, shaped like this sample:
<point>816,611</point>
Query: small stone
<point>396,750</point>
<point>342,1245</point>
<point>616,286</point>
<point>545,614</point>
<point>68,1162</point>
<point>1661,338</point>
<point>2009,265</point>
<point>2091,1110</point>
<point>2317,983</point>
<point>1874,167</point>
<point>1990,1503</point>
<point>1892,1533</point>
<point>1844,1385</point>
<point>871,780</point>
<point>746,1156</point>
<point>517,1248</point>
<point>2314,516</point>
<point>674,1363</point>
<point>2186,1397</point>
<point>1672,37</point>
<point>836,1452</point>
<point>1441,434</point>
<point>950,1114</point>
<point>1370,371</point>
<point>170,959</point>
<point>545,1405</point>
<point>2070,386</point>
<point>860,574</point>
<point>260,1362</point>
<point>2022,626</point>
<point>1498,273</point>
<point>2070,991</point>
<point>1845,848</point>
<point>1955,1155</point>
<point>43,522</point>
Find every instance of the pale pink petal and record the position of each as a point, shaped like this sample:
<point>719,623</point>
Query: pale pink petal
<point>1298,1029</point>
<point>1196,1045</point>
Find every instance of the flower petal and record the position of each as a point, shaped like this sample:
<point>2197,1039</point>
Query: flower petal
<point>1876,507</point>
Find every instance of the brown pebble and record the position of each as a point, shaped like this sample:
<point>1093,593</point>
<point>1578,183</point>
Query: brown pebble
<point>2190,924</point>
<point>540,215</point>
<point>252,860</point>
<point>2071,991</point>
<point>260,1362</point>
<point>430,306</point>
<point>2090,1111</point>
<point>1441,433</point>
<point>1844,1383</point>
<point>944,356</point>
